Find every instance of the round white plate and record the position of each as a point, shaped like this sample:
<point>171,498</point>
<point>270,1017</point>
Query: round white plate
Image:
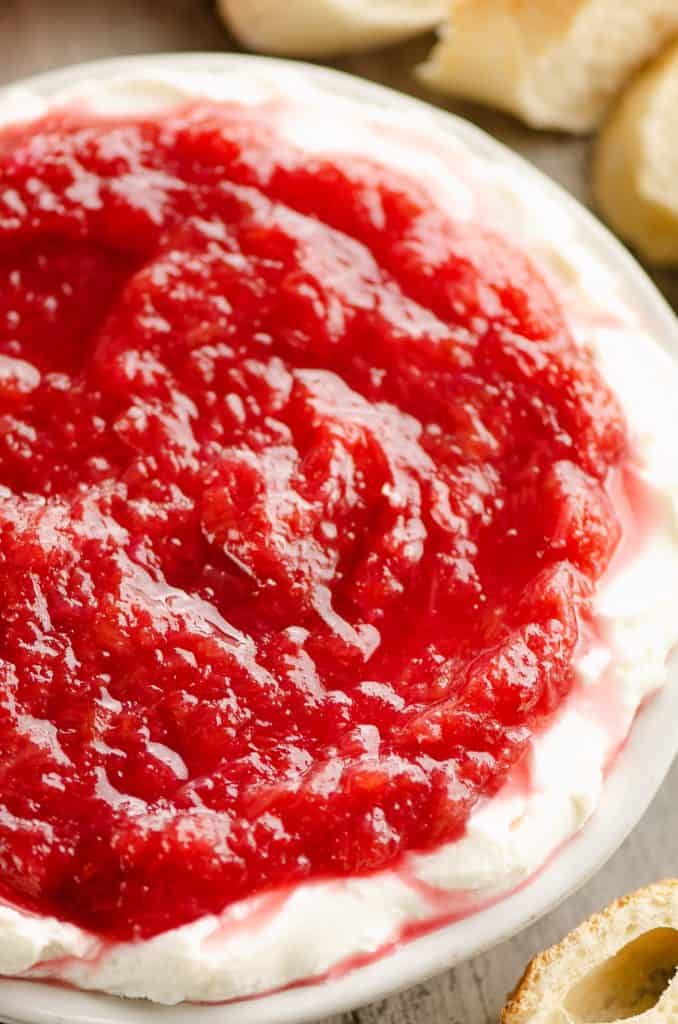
<point>637,773</point>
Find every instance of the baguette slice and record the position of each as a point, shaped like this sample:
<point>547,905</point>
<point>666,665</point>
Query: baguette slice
<point>324,28</point>
<point>635,169</point>
<point>619,965</point>
<point>553,63</point>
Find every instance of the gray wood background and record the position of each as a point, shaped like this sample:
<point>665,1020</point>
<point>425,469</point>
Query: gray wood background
<point>36,35</point>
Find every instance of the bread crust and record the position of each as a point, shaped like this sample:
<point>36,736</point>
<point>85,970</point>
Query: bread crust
<point>552,975</point>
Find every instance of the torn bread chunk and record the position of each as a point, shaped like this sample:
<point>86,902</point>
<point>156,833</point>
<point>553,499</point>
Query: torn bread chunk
<point>618,965</point>
<point>636,163</point>
<point>324,28</point>
<point>554,65</point>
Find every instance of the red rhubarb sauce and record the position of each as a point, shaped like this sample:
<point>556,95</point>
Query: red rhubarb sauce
<point>304,494</point>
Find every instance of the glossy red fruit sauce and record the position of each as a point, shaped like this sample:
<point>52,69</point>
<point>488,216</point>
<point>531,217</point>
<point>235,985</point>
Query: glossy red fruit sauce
<point>303,496</point>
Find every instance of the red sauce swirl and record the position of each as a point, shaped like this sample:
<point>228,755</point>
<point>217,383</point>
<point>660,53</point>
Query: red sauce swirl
<point>302,500</point>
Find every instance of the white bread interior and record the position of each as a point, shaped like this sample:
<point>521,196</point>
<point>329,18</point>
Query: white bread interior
<point>553,63</point>
<point>619,965</point>
<point>324,28</point>
<point>635,169</point>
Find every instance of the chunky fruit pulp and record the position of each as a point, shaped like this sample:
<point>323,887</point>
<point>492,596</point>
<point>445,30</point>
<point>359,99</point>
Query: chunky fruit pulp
<point>304,497</point>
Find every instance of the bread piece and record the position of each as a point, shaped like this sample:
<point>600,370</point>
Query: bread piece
<point>635,169</point>
<point>553,63</point>
<point>324,28</point>
<point>616,966</point>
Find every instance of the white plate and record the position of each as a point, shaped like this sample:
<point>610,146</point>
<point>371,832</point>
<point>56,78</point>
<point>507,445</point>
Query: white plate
<point>634,780</point>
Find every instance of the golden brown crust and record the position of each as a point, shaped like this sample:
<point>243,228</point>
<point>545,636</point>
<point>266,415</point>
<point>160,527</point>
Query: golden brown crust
<point>528,993</point>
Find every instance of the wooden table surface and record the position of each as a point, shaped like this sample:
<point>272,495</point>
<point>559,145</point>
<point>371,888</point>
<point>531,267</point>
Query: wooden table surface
<point>36,35</point>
